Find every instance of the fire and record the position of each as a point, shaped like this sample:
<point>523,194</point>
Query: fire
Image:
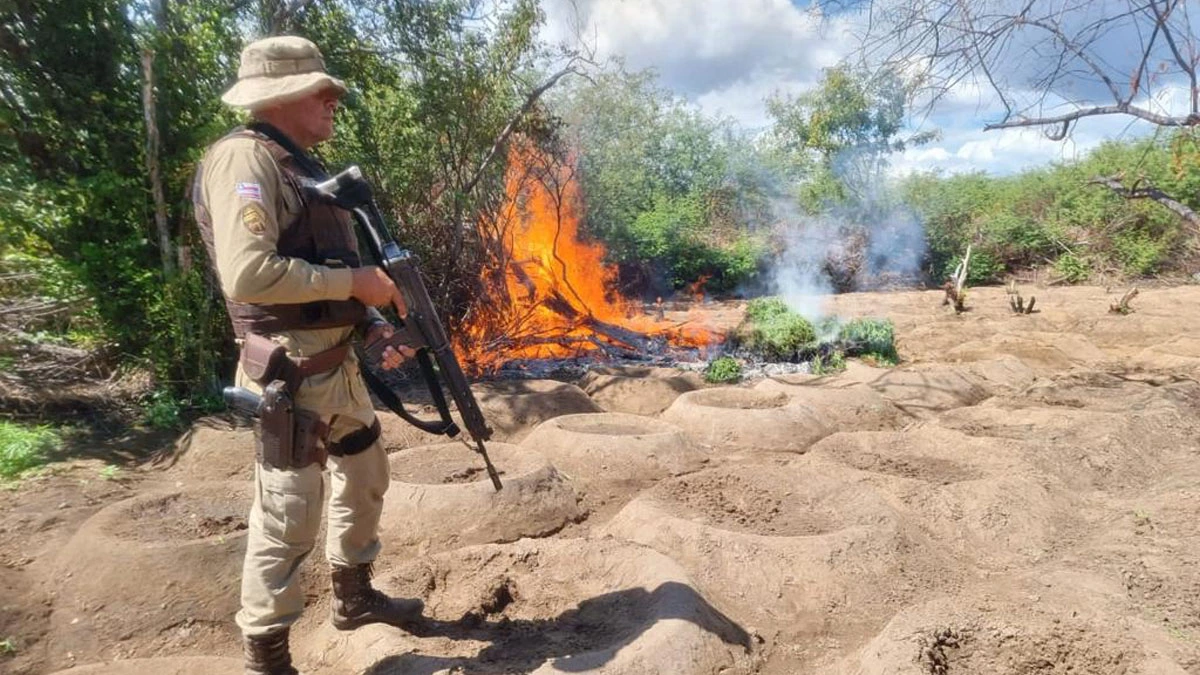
<point>550,293</point>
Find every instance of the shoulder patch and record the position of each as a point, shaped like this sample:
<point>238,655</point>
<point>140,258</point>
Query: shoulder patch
<point>250,191</point>
<point>254,218</point>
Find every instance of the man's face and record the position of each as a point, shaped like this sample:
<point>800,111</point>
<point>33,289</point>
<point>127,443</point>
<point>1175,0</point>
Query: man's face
<point>311,117</point>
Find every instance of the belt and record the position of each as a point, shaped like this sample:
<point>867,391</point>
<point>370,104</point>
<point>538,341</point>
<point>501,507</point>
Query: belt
<point>265,361</point>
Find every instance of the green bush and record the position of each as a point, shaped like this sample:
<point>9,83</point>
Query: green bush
<point>162,410</point>
<point>773,332</point>
<point>827,364</point>
<point>723,370</point>
<point>1071,268</point>
<point>25,447</point>
<point>871,337</point>
<point>762,309</point>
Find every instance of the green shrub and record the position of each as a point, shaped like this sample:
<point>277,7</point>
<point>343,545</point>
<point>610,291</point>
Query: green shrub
<point>1072,268</point>
<point>762,309</point>
<point>871,337</point>
<point>833,362</point>
<point>723,370</point>
<point>773,332</point>
<point>983,268</point>
<point>24,447</point>
<point>1139,252</point>
<point>162,410</point>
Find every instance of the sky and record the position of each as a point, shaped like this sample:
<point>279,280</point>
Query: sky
<point>728,56</point>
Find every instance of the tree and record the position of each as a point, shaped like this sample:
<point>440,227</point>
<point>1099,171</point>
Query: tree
<point>843,132</point>
<point>674,195</point>
<point>1051,63</point>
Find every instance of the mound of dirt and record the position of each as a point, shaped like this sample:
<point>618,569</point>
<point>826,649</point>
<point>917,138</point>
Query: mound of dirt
<point>543,606</point>
<point>1042,351</point>
<point>1177,354</point>
<point>825,545</point>
<point>215,450</point>
<point>615,447</point>
<point>1114,392</point>
<point>1019,629</point>
<point>172,665</point>
<point>843,407</point>
<point>974,495</point>
<point>736,419</point>
<point>638,391</point>
<point>803,548</point>
<point>1087,449</point>
<point>441,498</point>
<point>515,407</point>
<point>922,390</point>
<point>927,454</point>
<point>168,581</point>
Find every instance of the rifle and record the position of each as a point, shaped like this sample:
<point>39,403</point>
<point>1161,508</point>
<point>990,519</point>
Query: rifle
<point>421,329</point>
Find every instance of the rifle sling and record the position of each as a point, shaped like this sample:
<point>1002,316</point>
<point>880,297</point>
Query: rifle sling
<point>443,427</point>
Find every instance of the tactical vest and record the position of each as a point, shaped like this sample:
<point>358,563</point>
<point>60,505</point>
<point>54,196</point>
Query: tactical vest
<point>322,234</point>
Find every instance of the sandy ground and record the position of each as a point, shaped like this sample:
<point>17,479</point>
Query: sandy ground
<point>1021,495</point>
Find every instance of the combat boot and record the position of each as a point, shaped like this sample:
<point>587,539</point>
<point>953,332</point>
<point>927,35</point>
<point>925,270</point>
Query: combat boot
<point>268,654</point>
<point>356,603</point>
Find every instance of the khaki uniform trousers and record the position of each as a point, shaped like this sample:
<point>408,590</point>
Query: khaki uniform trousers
<point>286,514</point>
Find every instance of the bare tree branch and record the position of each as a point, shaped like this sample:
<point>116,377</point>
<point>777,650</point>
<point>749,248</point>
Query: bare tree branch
<point>530,100</point>
<point>1189,120</point>
<point>1141,190</point>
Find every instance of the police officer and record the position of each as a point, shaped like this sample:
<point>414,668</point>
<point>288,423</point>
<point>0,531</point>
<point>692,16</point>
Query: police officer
<point>289,269</point>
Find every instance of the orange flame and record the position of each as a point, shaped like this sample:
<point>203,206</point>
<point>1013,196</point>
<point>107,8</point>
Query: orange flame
<point>549,293</point>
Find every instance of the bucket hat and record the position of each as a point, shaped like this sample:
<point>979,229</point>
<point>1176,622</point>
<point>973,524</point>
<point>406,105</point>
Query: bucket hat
<point>279,69</point>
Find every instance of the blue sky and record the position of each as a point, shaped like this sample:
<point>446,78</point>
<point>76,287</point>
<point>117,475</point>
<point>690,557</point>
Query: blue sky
<point>729,55</point>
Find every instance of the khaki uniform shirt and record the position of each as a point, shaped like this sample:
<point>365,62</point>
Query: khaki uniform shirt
<point>249,202</point>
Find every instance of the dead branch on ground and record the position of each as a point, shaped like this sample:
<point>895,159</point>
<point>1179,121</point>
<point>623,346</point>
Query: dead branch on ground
<point>1017,303</point>
<point>1123,306</point>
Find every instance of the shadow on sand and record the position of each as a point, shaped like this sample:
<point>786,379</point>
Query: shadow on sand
<point>578,640</point>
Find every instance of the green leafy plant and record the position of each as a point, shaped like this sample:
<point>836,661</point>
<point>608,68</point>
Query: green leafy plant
<point>110,472</point>
<point>723,370</point>
<point>1071,268</point>
<point>25,447</point>
<point>161,410</point>
<point>833,362</point>
<point>871,337</point>
<point>8,647</point>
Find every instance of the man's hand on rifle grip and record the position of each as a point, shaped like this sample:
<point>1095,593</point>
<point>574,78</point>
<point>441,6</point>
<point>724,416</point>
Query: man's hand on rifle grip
<point>393,355</point>
<point>373,287</point>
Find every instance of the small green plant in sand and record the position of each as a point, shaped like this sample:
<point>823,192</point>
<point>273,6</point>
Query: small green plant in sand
<point>723,370</point>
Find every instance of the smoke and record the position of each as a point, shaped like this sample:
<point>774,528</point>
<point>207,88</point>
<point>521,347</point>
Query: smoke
<point>875,243</point>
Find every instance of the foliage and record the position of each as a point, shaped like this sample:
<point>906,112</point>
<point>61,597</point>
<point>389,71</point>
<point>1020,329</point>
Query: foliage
<point>843,130</point>
<point>829,363</point>
<point>1057,217</point>
<point>25,447</point>
<point>763,309</point>
<point>723,370</point>
<point>674,195</point>
<point>871,337</point>
<point>1071,268</point>
<point>161,410</point>
<point>773,332</point>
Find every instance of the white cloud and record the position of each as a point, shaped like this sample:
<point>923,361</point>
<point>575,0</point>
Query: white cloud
<point>730,56</point>
<point>701,49</point>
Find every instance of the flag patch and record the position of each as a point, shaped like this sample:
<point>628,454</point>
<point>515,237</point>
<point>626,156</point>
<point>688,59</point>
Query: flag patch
<point>249,191</point>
